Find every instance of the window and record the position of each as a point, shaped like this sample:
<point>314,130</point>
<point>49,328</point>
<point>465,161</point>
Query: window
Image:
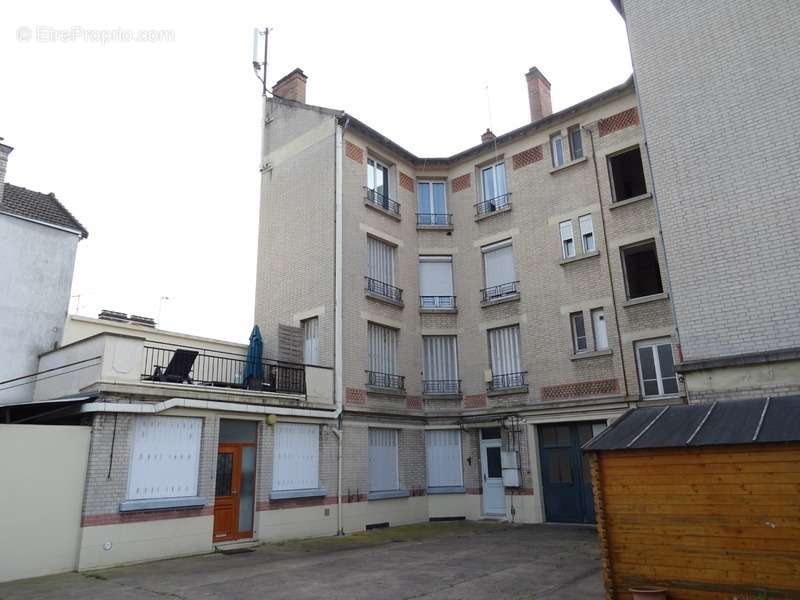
<point>382,351</point>
<point>557,149</point>
<point>443,458</point>
<point>575,142</point>
<point>498,270</point>
<point>656,368</point>
<point>599,329</point>
<point>627,174</point>
<point>567,239</point>
<point>642,275</point>
<point>587,233</point>
<point>311,341</point>
<point>165,457</point>
<point>440,364</point>
<point>377,180</point>
<point>579,342</point>
<point>295,457</point>
<point>436,282</point>
<point>381,260</point>
<point>495,193</point>
<point>504,354</point>
<point>383,471</point>
<point>432,203</point>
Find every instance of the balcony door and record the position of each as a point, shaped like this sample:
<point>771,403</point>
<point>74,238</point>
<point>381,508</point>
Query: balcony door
<point>234,502</point>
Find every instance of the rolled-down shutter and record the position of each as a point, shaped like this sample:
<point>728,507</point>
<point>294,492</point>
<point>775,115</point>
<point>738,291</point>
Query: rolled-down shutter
<point>443,457</point>
<point>436,276</point>
<point>382,349</point>
<point>440,358</point>
<point>381,260</point>
<point>505,350</point>
<point>296,457</point>
<point>383,471</point>
<point>498,264</point>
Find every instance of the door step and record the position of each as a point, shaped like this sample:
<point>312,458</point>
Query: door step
<point>237,547</point>
<point>493,519</point>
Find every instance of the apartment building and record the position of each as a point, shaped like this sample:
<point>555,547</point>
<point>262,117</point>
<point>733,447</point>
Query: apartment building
<point>725,212</point>
<point>485,313</point>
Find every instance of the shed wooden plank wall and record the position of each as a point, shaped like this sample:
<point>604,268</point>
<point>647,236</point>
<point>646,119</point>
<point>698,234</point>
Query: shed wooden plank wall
<point>710,523</point>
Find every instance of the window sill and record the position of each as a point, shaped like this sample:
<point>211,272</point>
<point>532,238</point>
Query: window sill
<point>382,210</point>
<point>384,299</point>
<point>565,166</point>
<point>184,502</point>
<point>633,200</point>
<point>645,299</point>
<point>493,213</point>
<point>292,494</point>
<point>520,389</point>
<point>450,489</point>
<point>595,354</point>
<point>438,311</point>
<point>434,227</point>
<point>384,391</point>
<point>388,495</point>
<point>502,300</point>
<point>573,259</point>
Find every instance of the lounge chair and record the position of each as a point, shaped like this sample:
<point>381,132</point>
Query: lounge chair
<point>178,370</point>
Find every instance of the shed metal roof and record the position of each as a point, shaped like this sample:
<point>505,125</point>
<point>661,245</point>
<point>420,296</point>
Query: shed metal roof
<point>755,421</point>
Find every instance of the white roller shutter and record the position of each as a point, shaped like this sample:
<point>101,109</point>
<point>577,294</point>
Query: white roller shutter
<point>381,260</point>
<point>435,276</point>
<point>504,349</point>
<point>383,470</point>
<point>440,360</point>
<point>165,457</point>
<point>498,264</point>
<point>295,457</point>
<point>443,457</point>
<point>382,348</point>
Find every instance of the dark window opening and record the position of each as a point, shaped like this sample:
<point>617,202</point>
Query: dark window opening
<point>627,174</point>
<point>642,275</point>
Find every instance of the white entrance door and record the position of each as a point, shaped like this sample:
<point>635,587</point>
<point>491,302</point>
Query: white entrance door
<point>494,497</point>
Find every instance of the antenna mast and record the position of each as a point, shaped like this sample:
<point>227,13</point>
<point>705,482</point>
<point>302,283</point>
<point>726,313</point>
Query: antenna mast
<point>260,67</point>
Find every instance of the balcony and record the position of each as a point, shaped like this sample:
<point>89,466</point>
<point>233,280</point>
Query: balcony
<point>508,383</point>
<point>437,303</point>
<point>504,292</point>
<point>441,387</point>
<point>381,203</point>
<point>435,221</point>
<point>492,206</point>
<point>378,290</point>
<point>386,381</point>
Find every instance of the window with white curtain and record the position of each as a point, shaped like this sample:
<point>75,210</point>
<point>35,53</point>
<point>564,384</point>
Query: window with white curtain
<point>567,239</point>
<point>295,457</point>
<point>311,341</point>
<point>587,233</point>
<point>440,364</point>
<point>165,457</point>
<point>599,328</point>
<point>557,149</point>
<point>498,269</point>
<point>443,458</point>
<point>504,351</point>
<point>384,473</point>
<point>381,258</point>
<point>436,282</point>
<point>493,183</point>
<point>382,348</point>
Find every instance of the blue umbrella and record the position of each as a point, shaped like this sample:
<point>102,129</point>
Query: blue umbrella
<point>254,367</point>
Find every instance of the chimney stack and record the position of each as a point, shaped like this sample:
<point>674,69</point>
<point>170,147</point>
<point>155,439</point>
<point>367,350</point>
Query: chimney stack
<point>291,86</point>
<point>487,136</point>
<point>538,94</point>
<point>4,152</point>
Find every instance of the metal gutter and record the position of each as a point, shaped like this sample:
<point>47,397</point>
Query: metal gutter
<point>159,407</point>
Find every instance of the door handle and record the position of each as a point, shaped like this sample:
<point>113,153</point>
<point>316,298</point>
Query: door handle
<point>484,476</point>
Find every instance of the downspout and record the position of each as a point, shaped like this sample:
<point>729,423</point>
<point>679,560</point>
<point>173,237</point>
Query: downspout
<point>338,359</point>
<point>608,262</point>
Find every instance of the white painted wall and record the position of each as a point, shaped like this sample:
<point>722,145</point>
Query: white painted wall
<point>36,264</point>
<point>44,468</point>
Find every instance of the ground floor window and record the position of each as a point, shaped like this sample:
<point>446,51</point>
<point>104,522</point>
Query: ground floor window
<point>296,457</point>
<point>383,460</point>
<point>443,458</point>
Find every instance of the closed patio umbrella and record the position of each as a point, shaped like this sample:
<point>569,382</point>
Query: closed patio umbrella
<point>254,368</point>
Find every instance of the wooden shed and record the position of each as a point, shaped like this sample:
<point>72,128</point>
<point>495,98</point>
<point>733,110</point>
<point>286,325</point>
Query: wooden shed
<point>701,499</point>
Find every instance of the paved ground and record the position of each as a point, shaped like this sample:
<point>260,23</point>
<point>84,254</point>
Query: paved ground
<point>441,561</point>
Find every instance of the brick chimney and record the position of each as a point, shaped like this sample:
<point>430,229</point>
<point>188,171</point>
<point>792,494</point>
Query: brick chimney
<point>4,152</point>
<point>487,136</point>
<point>292,86</point>
<point>538,94</point>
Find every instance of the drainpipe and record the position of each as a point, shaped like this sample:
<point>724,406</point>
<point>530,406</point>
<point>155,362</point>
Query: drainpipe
<point>338,359</point>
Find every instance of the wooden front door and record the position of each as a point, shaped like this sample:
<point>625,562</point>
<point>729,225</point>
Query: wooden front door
<point>234,488</point>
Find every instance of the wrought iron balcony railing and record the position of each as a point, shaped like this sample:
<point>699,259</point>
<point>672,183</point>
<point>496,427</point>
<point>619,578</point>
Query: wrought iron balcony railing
<point>379,288</point>
<point>500,291</point>
<point>441,386</point>
<point>507,381</point>
<point>381,201</point>
<point>435,219</point>
<point>492,204</point>
<point>437,302</point>
<point>386,380</point>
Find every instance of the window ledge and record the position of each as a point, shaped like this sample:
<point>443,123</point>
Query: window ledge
<point>565,166</point>
<point>384,391</point>
<point>450,489</point>
<point>388,494</point>
<point>502,300</point>
<point>434,227</point>
<point>429,396</point>
<point>162,503</point>
<point>596,353</point>
<point>382,210</point>
<point>633,200</point>
<point>520,389</point>
<point>384,299</point>
<point>645,299</point>
<point>438,311</point>
<point>493,213</point>
<point>573,259</point>
<point>292,494</point>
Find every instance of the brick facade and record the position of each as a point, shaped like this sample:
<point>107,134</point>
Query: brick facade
<point>527,157</point>
<point>626,118</point>
<point>461,183</point>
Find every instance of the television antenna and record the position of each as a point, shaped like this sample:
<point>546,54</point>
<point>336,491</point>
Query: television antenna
<point>260,66</point>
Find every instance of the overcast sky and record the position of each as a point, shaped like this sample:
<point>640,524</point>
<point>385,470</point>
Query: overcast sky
<point>153,145</point>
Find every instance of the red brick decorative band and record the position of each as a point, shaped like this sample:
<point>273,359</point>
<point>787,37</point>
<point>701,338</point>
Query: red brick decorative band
<point>462,182</point>
<point>600,387</point>
<point>144,516</point>
<point>406,182</point>
<point>354,152</point>
<point>414,402</point>
<point>476,401</point>
<point>626,118</point>
<point>527,157</point>
<point>355,396</point>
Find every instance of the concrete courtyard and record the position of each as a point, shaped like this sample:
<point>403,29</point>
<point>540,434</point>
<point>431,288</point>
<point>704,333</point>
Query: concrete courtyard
<point>428,561</point>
